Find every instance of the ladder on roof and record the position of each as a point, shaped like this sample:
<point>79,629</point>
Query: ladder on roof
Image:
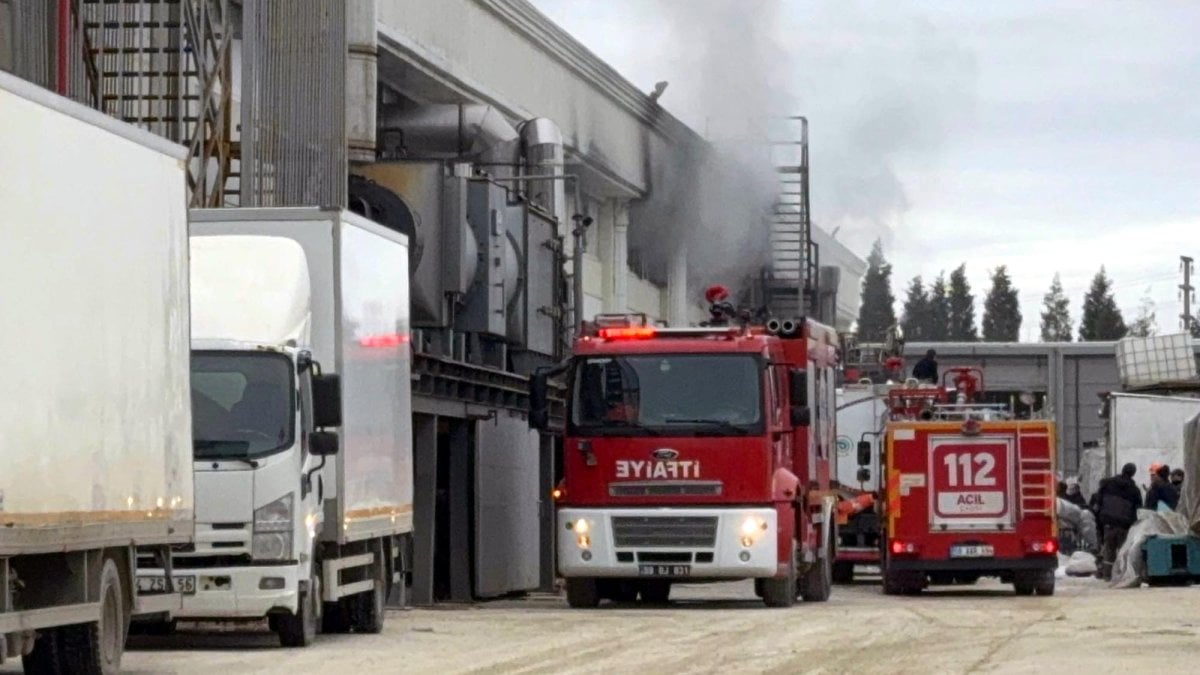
<point>790,285</point>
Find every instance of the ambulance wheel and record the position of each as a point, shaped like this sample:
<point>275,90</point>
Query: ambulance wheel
<point>781,592</point>
<point>817,584</point>
<point>656,592</point>
<point>582,593</point>
<point>843,572</point>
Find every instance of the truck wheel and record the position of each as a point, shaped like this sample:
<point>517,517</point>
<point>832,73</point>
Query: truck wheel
<point>818,580</point>
<point>656,592</point>
<point>843,572</point>
<point>1024,584</point>
<point>98,647</point>
<point>758,587</point>
<point>782,592</point>
<point>300,629</point>
<point>902,583</point>
<point>1045,584</point>
<point>582,593</point>
<point>371,607</point>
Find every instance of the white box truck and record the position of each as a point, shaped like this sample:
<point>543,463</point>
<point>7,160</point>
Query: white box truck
<point>95,425</point>
<point>1142,429</point>
<point>302,397</point>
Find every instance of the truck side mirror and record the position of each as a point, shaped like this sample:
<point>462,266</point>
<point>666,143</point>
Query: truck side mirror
<point>864,453</point>
<point>323,443</point>
<point>801,416</point>
<point>327,400</point>
<point>798,379</point>
<point>539,402</point>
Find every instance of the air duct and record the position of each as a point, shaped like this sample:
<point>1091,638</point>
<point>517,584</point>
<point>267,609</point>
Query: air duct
<point>362,75</point>
<point>455,131</point>
<point>544,156</point>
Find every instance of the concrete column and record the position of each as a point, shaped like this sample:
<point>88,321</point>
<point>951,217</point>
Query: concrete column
<point>677,291</point>
<point>619,265</point>
<point>601,241</point>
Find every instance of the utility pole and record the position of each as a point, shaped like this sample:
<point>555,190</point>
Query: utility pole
<point>1187,291</point>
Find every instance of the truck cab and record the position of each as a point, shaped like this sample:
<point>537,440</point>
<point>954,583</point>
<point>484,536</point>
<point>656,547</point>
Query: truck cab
<point>263,415</point>
<point>695,454</point>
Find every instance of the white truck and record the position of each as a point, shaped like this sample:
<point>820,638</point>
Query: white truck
<point>861,415</point>
<point>1142,429</point>
<point>95,427</point>
<point>303,422</point>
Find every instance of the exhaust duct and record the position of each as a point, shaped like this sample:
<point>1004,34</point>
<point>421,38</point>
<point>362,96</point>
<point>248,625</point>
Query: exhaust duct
<point>456,131</point>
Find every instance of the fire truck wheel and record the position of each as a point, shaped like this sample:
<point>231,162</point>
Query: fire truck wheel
<point>582,593</point>
<point>758,587</point>
<point>902,583</point>
<point>843,573</point>
<point>656,592</point>
<point>1024,584</point>
<point>782,592</point>
<point>1045,584</point>
<point>818,579</point>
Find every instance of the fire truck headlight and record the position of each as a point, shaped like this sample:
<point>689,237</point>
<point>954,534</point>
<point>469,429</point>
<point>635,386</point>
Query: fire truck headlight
<point>752,526</point>
<point>581,526</point>
<point>584,541</point>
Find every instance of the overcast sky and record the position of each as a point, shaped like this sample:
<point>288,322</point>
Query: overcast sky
<point>1045,135</point>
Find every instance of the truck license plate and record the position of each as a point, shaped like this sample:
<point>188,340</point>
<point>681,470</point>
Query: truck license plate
<point>185,585</point>
<point>981,551</point>
<point>665,570</point>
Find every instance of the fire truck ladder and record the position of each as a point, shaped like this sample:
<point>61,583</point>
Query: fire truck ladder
<point>791,286</point>
<point>1037,490</point>
<point>164,65</point>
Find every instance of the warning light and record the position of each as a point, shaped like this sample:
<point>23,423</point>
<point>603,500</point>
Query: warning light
<point>903,547</point>
<point>558,493</point>
<point>632,333</point>
<point>383,340</point>
<point>971,427</point>
<point>1048,546</point>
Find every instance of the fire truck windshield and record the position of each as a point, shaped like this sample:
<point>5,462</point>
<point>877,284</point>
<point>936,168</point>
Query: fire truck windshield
<point>691,394</point>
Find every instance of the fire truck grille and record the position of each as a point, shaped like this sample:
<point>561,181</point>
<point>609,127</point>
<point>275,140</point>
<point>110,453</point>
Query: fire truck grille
<point>673,488</point>
<point>665,531</point>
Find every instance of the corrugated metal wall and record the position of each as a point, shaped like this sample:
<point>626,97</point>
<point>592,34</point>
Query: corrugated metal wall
<point>293,103</point>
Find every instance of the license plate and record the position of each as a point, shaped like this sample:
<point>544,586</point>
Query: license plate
<point>982,551</point>
<point>665,570</point>
<point>185,585</point>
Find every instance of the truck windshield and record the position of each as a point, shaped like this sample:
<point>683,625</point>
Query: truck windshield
<point>668,394</point>
<point>242,404</point>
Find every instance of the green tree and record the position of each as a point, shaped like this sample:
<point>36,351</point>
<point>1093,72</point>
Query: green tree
<point>1002,309</point>
<point>878,312</point>
<point>1056,315</point>
<point>1144,325</point>
<point>916,317</point>
<point>962,308</point>
<point>939,310</point>
<point>1102,318</point>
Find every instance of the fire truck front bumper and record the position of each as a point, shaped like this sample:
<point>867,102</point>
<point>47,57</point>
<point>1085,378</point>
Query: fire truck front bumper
<point>704,543</point>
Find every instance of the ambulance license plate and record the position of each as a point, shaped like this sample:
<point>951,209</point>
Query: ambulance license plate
<point>665,570</point>
<point>980,551</point>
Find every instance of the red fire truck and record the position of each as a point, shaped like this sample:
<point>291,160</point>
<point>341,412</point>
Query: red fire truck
<point>696,454</point>
<point>968,491</point>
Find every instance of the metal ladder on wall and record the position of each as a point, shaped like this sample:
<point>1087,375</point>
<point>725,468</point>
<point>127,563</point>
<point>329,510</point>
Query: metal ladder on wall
<point>164,66</point>
<point>791,282</point>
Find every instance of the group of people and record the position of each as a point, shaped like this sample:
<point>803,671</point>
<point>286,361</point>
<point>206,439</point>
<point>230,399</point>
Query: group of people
<point>1117,501</point>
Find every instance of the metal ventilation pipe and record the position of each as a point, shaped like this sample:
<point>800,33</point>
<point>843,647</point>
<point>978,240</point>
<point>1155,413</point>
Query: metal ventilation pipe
<point>362,76</point>
<point>545,156</point>
<point>456,131</point>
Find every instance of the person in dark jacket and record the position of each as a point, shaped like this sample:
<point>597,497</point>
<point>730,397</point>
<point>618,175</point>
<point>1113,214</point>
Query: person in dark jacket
<point>1120,498</point>
<point>1161,490</point>
<point>926,369</point>
<point>1177,479</point>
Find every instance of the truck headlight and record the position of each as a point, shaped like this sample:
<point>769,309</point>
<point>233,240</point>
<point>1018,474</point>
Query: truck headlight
<point>273,525</point>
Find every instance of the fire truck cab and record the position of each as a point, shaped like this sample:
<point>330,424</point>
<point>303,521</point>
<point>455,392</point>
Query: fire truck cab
<point>968,491</point>
<point>695,454</point>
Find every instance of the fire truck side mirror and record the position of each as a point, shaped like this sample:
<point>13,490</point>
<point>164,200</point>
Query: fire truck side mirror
<point>864,453</point>
<point>539,404</point>
<point>798,379</point>
<point>801,416</point>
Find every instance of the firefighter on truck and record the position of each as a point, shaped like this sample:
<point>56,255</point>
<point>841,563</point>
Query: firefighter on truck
<point>968,491</point>
<point>695,454</point>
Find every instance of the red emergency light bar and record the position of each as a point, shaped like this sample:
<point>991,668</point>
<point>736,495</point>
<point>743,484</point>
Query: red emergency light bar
<point>383,340</point>
<point>631,333</point>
